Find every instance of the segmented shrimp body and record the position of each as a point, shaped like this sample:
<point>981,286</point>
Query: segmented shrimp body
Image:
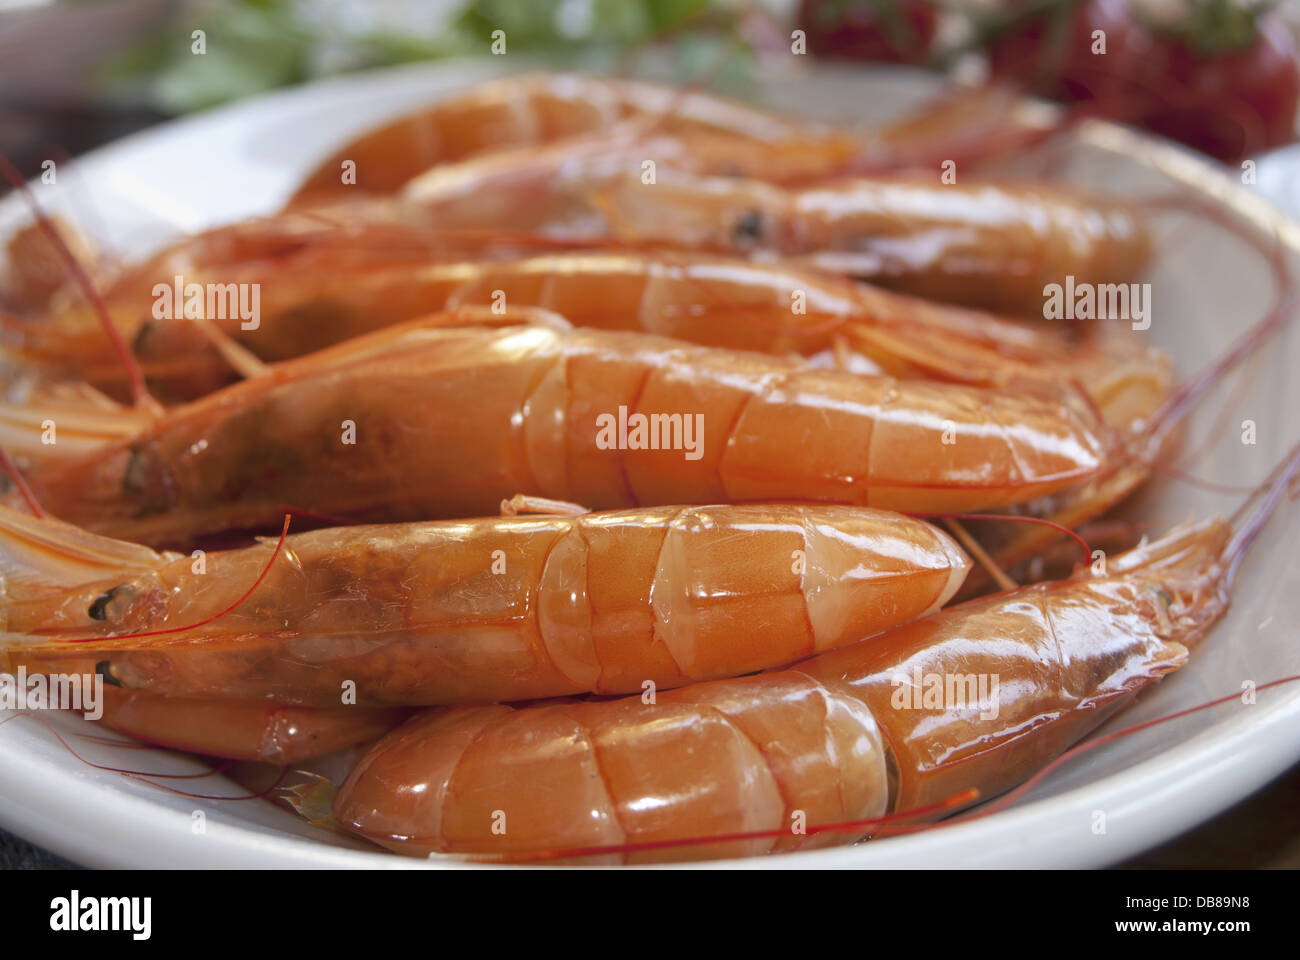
<point>983,244</point>
<point>312,301</point>
<point>537,109</point>
<point>726,354</point>
<point>980,244</point>
<point>780,308</point>
<point>412,423</point>
<point>505,608</point>
<point>709,133</point>
<point>841,737</point>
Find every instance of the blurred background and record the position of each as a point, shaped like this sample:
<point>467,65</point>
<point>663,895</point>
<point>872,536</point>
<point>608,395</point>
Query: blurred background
<point>1221,76</point>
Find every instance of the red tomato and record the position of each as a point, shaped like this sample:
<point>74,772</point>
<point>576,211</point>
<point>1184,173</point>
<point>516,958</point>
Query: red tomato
<point>1233,104</point>
<point>1053,54</point>
<point>1227,104</point>
<point>892,31</point>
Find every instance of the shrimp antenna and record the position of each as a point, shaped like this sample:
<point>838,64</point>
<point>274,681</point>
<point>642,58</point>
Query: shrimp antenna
<point>16,477</point>
<point>279,546</point>
<point>152,778</point>
<point>1259,506</point>
<point>139,392</point>
<point>1179,405</point>
<point>1010,797</point>
<point>1016,518</point>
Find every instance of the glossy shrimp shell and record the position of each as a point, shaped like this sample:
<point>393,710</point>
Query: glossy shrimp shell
<point>827,741</point>
<point>258,732</point>
<point>319,295</point>
<point>986,244</point>
<point>713,134</point>
<point>504,608</point>
<point>448,422</point>
<point>546,108</point>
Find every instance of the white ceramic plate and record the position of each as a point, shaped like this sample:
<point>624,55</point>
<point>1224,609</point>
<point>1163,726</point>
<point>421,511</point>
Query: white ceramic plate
<point>1208,287</point>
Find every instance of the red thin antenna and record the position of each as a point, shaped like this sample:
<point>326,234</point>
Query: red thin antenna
<point>128,744</point>
<point>326,518</point>
<point>1211,485</point>
<point>1254,513</point>
<point>1015,518</point>
<point>65,160</point>
<point>15,475</point>
<point>139,392</point>
<point>1012,796</point>
<point>152,778</point>
<point>284,532</point>
<point>1176,407</point>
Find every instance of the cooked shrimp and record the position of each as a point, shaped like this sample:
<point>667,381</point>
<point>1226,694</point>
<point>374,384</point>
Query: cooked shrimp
<point>310,302</point>
<point>546,108</point>
<point>978,244</point>
<point>412,423</point>
<point>841,737</point>
<point>287,256</point>
<point>714,135</point>
<point>503,608</point>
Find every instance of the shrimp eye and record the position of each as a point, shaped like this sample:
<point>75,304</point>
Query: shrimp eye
<point>1164,597</point>
<point>749,227</point>
<point>148,482</point>
<point>99,609</point>
<point>105,669</point>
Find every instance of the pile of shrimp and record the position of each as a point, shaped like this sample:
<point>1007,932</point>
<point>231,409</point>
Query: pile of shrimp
<point>627,449</point>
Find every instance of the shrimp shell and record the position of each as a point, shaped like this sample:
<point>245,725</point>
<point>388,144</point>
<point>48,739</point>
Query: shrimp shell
<point>827,741</point>
<point>986,245</point>
<point>260,732</point>
<point>712,134</point>
<point>448,422</point>
<point>320,295</point>
<point>503,608</point>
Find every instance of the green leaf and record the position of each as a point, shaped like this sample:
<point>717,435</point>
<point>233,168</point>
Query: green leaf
<point>667,14</point>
